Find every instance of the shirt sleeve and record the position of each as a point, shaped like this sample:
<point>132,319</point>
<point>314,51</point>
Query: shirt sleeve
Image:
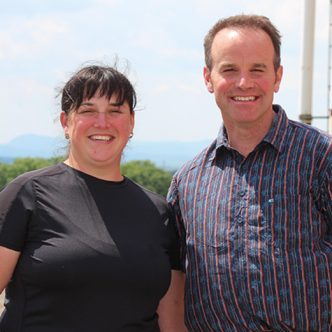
<point>16,204</point>
<point>325,197</point>
<point>173,201</point>
<point>323,188</point>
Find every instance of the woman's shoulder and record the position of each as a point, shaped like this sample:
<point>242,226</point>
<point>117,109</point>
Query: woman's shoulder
<point>157,199</point>
<point>23,179</point>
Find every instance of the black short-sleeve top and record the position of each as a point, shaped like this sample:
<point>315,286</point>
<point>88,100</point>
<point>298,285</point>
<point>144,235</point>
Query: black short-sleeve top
<point>95,255</point>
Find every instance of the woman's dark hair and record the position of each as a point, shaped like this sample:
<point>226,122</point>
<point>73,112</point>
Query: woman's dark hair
<point>104,80</point>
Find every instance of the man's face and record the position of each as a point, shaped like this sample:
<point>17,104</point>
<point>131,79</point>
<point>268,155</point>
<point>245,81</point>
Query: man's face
<point>242,77</point>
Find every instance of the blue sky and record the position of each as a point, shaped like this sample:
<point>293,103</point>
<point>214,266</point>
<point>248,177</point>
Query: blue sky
<point>42,42</point>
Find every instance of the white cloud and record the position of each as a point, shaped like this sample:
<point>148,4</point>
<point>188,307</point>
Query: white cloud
<point>43,30</point>
<point>9,47</point>
<point>28,106</point>
<point>322,20</point>
<point>27,37</point>
<point>43,42</point>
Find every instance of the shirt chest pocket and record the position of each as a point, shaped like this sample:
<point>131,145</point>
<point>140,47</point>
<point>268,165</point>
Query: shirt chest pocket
<point>209,223</point>
<point>292,216</point>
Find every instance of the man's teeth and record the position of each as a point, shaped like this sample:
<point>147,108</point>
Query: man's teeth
<point>101,138</point>
<point>238,98</point>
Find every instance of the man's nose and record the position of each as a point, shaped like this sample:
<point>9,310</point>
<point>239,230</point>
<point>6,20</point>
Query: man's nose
<point>244,81</point>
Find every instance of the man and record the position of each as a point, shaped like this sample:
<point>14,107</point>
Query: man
<point>254,209</point>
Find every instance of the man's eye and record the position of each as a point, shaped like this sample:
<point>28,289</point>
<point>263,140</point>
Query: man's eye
<point>228,70</point>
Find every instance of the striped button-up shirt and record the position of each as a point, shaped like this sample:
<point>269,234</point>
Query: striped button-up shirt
<point>256,232</point>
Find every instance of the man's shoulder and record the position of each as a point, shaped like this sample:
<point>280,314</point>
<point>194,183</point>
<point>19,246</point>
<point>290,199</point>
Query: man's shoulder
<point>315,144</point>
<point>311,132</point>
<point>197,162</point>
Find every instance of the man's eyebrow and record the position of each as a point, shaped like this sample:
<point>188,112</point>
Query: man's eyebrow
<point>227,65</point>
<point>259,65</point>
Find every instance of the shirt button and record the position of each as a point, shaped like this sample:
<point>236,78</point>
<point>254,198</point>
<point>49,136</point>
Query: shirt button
<point>240,220</point>
<point>242,193</point>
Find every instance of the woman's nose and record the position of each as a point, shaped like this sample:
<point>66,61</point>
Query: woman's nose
<point>102,119</point>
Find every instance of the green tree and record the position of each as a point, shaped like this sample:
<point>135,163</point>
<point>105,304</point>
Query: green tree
<point>147,174</point>
<point>143,172</point>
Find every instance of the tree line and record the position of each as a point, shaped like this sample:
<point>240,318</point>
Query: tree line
<point>144,172</point>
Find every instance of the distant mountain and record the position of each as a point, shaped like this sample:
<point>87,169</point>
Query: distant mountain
<point>166,154</point>
<point>6,160</point>
<point>32,146</point>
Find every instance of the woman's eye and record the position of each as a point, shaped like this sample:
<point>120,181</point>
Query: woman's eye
<point>114,111</point>
<point>87,112</point>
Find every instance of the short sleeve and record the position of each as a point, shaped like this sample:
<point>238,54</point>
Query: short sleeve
<point>16,204</point>
<point>173,201</point>
<point>174,244</point>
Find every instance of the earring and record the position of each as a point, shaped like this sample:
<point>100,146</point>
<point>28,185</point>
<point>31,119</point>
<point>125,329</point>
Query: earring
<point>131,135</point>
<point>66,136</point>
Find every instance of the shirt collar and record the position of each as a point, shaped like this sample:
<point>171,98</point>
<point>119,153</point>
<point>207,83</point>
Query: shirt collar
<point>275,135</point>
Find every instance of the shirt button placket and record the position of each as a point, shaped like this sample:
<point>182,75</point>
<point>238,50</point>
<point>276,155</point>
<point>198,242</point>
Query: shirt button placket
<point>240,217</point>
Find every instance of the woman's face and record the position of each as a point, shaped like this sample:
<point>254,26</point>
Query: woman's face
<point>98,131</point>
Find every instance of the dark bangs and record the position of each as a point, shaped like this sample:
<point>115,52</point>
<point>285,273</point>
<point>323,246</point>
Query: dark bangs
<point>92,80</point>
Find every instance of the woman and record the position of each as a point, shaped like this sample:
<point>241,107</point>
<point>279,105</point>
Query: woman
<point>83,248</point>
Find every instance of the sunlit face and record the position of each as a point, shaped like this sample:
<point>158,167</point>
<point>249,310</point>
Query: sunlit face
<point>99,131</point>
<point>242,77</point>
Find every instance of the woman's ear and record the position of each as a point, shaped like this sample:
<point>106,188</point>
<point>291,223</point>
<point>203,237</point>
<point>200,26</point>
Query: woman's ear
<point>64,122</point>
<point>132,121</point>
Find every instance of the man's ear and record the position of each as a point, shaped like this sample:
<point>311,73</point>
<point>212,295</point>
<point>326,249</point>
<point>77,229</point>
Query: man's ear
<point>207,79</point>
<point>278,79</point>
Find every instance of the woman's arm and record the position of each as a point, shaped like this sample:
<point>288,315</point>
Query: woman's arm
<point>8,261</point>
<point>171,306</point>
